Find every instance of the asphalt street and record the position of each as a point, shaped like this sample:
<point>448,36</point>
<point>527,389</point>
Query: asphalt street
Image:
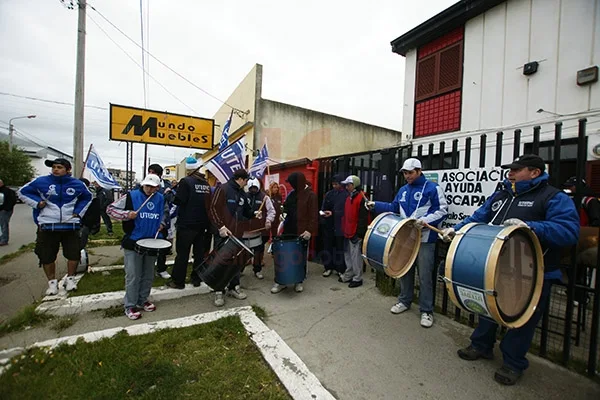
<point>21,228</point>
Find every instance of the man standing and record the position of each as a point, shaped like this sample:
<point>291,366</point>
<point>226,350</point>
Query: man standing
<point>59,202</point>
<point>261,206</point>
<point>333,236</point>
<point>193,199</point>
<point>105,197</point>
<point>425,201</point>
<point>166,190</point>
<point>525,200</point>
<point>231,214</point>
<point>8,199</point>
<point>589,213</point>
<point>354,226</point>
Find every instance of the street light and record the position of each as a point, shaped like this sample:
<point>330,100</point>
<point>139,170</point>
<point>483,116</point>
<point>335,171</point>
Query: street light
<point>11,129</point>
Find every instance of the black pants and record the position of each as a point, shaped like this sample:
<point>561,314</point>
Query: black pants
<point>186,238</point>
<point>333,252</point>
<point>107,221</point>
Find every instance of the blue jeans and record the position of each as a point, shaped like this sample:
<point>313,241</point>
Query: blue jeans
<point>4,220</point>
<point>424,263</point>
<point>516,342</point>
<point>139,273</point>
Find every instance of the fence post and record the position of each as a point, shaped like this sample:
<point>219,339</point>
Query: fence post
<point>468,153</point>
<point>499,136</point>
<point>482,144</point>
<point>455,153</point>
<point>430,156</point>
<point>556,154</point>
<point>517,144</point>
<point>536,140</point>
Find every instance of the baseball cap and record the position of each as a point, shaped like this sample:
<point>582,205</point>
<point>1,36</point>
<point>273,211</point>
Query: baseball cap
<point>572,181</point>
<point>60,161</point>
<point>527,160</point>
<point>337,178</point>
<point>353,179</point>
<point>410,164</point>
<point>151,180</point>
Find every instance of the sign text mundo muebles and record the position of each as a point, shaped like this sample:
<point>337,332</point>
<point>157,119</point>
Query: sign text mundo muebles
<point>130,124</point>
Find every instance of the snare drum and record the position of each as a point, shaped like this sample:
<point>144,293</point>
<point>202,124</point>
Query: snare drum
<point>496,272</point>
<point>392,244</point>
<point>223,263</point>
<point>152,247</point>
<point>253,242</point>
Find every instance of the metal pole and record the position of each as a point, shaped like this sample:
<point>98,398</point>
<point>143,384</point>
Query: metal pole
<point>10,137</point>
<point>79,93</point>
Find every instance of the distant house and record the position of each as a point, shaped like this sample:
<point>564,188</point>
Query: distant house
<point>37,152</point>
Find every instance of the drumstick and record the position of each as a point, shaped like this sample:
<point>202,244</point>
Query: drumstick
<point>262,204</point>
<point>433,228</point>
<point>144,203</point>
<point>257,230</point>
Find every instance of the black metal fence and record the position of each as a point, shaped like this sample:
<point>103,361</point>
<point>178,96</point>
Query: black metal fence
<point>568,331</point>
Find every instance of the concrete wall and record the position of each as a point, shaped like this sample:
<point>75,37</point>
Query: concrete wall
<point>562,35</point>
<point>294,132</point>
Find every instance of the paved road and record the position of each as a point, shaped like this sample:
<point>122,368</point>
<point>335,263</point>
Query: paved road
<point>22,229</point>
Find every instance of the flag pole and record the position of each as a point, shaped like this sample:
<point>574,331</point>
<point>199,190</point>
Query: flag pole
<point>267,161</point>
<point>86,159</point>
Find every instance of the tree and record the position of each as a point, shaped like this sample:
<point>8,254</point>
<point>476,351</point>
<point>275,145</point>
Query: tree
<point>15,166</point>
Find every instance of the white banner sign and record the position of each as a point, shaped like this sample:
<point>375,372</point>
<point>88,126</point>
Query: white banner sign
<point>466,189</point>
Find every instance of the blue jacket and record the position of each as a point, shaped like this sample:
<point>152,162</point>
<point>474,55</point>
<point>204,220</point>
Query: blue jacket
<point>64,196</point>
<point>558,228</point>
<point>423,200</point>
<point>335,201</point>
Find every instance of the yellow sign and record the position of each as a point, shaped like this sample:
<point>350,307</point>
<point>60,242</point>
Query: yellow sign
<point>130,124</point>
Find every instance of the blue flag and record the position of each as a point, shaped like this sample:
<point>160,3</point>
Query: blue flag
<point>260,163</point>
<point>96,171</point>
<point>224,142</point>
<point>228,161</point>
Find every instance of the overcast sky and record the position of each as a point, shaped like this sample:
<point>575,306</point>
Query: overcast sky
<point>330,56</point>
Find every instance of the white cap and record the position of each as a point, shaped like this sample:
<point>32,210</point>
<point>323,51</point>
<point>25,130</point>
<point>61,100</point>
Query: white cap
<point>411,164</point>
<point>353,179</point>
<point>192,163</point>
<point>254,182</point>
<point>151,180</point>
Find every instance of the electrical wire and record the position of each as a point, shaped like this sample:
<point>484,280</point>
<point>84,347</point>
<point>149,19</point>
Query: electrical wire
<point>49,101</point>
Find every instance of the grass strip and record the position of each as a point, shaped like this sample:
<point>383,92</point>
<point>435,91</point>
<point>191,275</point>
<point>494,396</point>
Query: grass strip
<point>27,317</point>
<point>216,360</point>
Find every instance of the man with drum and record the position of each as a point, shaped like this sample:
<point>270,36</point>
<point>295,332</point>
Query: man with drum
<point>526,200</point>
<point>424,201</point>
<point>193,197</point>
<point>167,191</point>
<point>144,213</point>
<point>230,212</point>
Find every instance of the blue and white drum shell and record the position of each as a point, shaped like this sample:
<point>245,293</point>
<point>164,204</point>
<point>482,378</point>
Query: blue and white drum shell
<point>496,272</point>
<point>391,244</point>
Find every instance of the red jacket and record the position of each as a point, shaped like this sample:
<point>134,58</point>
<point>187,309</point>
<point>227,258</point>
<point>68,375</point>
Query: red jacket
<point>356,217</point>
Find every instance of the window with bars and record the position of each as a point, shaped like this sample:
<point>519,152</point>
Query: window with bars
<point>439,72</point>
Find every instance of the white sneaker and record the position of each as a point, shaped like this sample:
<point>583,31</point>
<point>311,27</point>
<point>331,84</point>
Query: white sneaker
<point>259,275</point>
<point>237,293</point>
<point>426,320</point>
<point>327,272</point>
<point>70,284</point>
<point>398,308</point>
<point>219,300</point>
<point>298,287</point>
<point>52,288</point>
<point>164,275</point>
<point>277,288</point>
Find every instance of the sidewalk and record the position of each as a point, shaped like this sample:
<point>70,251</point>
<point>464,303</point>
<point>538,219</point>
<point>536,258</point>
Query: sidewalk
<point>353,344</point>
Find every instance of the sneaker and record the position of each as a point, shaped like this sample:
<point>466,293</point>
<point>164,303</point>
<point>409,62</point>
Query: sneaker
<point>354,284</point>
<point>237,293</point>
<point>149,307</point>
<point>327,273</point>
<point>342,280</point>
<point>298,287</point>
<point>52,288</point>
<point>174,285</point>
<point>398,308</point>
<point>426,320</point>
<point>277,288</point>
<point>164,275</point>
<point>470,353</point>
<point>219,300</point>
<point>132,313</point>
<point>70,284</point>
<point>259,275</point>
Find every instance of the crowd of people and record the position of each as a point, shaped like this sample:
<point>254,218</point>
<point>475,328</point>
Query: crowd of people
<point>201,217</point>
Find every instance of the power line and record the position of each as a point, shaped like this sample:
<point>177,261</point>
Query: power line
<point>49,101</point>
<point>238,112</point>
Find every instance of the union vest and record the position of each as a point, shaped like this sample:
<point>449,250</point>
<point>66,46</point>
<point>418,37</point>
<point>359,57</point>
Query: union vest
<point>351,211</point>
<point>527,206</point>
<point>148,219</point>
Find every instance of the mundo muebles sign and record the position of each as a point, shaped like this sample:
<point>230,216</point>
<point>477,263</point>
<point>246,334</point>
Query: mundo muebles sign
<point>130,124</point>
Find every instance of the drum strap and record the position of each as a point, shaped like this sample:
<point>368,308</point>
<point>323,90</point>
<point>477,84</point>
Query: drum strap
<point>490,292</point>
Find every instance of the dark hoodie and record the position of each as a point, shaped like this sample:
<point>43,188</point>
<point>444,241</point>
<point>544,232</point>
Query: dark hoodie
<point>301,206</point>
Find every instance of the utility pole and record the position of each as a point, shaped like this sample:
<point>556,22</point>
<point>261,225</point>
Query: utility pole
<point>79,93</point>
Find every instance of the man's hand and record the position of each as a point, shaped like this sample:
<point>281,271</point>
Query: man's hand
<point>258,214</point>
<point>224,232</point>
<point>419,224</point>
<point>132,215</point>
<point>327,214</point>
<point>305,235</point>
<point>370,205</point>
<point>41,204</point>
<point>515,222</point>
<point>447,234</point>
<point>267,225</point>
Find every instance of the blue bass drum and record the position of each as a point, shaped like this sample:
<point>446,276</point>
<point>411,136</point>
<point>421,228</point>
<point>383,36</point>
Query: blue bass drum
<point>496,272</point>
<point>289,256</point>
<point>392,244</point>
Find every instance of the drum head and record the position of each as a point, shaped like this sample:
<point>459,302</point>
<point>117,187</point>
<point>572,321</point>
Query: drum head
<point>154,243</point>
<point>516,276</point>
<point>404,249</point>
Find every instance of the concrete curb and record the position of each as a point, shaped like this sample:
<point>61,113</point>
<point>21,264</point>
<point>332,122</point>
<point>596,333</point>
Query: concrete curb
<point>115,267</point>
<point>60,306</point>
<point>290,369</point>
